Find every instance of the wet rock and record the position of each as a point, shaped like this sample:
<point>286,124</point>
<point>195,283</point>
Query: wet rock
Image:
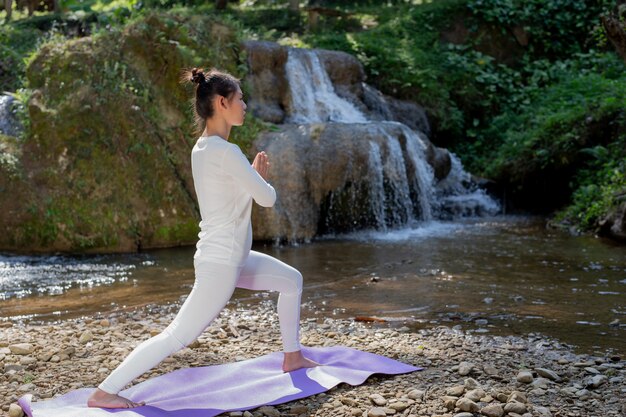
<point>376,412</point>
<point>378,399</point>
<point>465,404</point>
<point>547,373</point>
<point>21,348</point>
<point>456,391</point>
<point>85,337</point>
<point>525,377</point>
<point>492,410</point>
<point>15,411</point>
<point>465,368</point>
<point>515,407</point>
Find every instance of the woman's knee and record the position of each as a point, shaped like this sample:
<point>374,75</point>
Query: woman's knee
<point>297,281</point>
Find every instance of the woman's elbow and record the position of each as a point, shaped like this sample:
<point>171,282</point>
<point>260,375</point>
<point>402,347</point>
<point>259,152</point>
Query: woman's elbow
<point>268,200</point>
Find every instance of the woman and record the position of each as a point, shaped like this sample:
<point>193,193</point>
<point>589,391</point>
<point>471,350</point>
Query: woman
<point>225,184</point>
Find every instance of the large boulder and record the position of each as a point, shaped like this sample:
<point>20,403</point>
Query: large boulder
<point>614,224</point>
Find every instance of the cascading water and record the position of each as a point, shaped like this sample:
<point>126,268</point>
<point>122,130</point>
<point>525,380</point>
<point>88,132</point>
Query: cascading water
<point>399,187</point>
<point>313,98</point>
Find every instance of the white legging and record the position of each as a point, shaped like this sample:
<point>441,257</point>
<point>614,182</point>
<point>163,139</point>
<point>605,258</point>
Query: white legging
<point>213,287</point>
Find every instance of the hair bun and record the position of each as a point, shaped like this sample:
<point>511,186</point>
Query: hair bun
<point>197,76</point>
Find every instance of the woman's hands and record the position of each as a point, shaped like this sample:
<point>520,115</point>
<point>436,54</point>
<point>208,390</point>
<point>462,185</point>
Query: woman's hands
<point>261,164</point>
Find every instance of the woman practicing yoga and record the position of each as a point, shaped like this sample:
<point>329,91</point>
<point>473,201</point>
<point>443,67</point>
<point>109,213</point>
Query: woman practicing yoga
<point>225,184</point>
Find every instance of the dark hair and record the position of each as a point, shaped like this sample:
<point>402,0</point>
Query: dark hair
<point>207,86</point>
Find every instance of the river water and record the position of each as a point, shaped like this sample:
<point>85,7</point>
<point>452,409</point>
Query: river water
<point>501,275</point>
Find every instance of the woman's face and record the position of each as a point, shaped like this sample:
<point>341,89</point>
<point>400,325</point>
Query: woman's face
<point>236,109</point>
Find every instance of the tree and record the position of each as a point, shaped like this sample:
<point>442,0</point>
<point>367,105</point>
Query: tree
<point>615,27</point>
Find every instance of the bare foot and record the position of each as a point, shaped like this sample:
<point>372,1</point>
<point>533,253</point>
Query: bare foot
<point>295,360</point>
<point>103,399</point>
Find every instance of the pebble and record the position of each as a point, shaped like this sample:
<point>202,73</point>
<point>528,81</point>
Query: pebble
<point>471,383</point>
<point>269,411</point>
<point>21,349</point>
<point>15,411</point>
<point>376,412</point>
<point>416,394</point>
<point>378,399</point>
<point>542,411</point>
<point>493,410</point>
<point>515,407</point>
<point>456,391</point>
<point>517,396</point>
<point>547,373</point>
<point>465,368</point>
<point>86,336</point>
<point>467,405</point>
<point>475,394</point>
<point>525,377</point>
<point>464,414</point>
<point>449,402</point>
<point>595,381</point>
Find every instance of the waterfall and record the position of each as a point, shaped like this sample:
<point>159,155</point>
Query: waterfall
<point>313,97</point>
<point>399,187</point>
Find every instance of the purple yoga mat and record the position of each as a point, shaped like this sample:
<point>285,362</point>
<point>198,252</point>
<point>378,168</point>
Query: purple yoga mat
<point>211,390</point>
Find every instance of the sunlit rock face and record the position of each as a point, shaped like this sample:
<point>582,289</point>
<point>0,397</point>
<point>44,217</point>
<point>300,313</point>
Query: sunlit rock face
<point>345,156</point>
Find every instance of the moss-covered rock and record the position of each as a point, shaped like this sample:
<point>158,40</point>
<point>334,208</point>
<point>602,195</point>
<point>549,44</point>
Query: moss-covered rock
<point>105,165</point>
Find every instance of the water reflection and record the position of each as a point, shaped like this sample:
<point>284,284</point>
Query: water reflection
<point>503,275</point>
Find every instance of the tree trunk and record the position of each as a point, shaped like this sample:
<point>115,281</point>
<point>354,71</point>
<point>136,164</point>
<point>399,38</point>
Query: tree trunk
<point>616,33</point>
<point>220,4</point>
<point>8,6</point>
<point>294,5</point>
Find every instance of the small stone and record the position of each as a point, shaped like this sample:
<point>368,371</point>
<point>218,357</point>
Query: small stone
<point>517,396</point>
<point>416,394</point>
<point>15,411</point>
<point>269,411</point>
<point>502,397</point>
<point>464,414</point>
<point>107,323</point>
<point>525,377</point>
<point>471,383</point>
<point>399,406</point>
<point>235,414</point>
<point>467,405</point>
<point>592,370</point>
<point>493,410</point>
<point>465,368</point>
<point>27,387</point>
<point>247,414</point>
<point>583,394</point>
<point>542,411</point>
<point>547,373</point>
<point>8,367</point>
<point>475,394</point>
<point>376,412</point>
<point>298,409</point>
<point>356,412</point>
<point>21,349</point>
<point>515,407</point>
<point>541,383</point>
<point>449,402</point>
<point>27,360</point>
<point>491,371</point>
<point>595,381</point>
<point>86,337</point>
<point>378,399</point>
<point>456,391</point>
<point>347,401</point>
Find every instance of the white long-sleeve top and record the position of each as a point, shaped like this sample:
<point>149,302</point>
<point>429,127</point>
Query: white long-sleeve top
<point>226,184</point>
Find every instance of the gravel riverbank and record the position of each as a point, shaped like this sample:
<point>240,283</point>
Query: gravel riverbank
<point>466,375</point>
